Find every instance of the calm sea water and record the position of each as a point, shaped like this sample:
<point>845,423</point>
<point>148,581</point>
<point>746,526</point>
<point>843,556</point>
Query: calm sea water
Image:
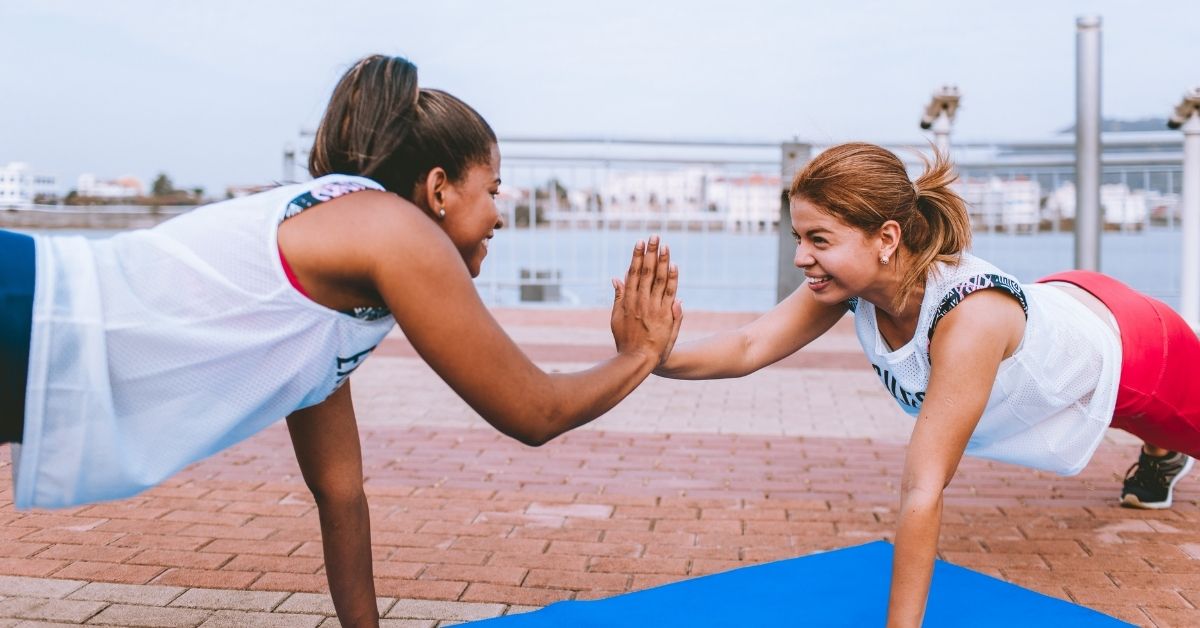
<point>736,271</point>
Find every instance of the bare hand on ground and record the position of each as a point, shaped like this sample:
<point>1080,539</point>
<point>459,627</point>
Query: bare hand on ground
<point>646,315</point>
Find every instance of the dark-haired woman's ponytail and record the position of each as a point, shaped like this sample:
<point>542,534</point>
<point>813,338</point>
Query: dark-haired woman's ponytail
<point>368,118</point>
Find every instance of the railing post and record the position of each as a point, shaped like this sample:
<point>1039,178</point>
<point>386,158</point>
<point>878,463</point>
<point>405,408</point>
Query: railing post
<point>788,278</point>
<point>1187,118</point>
<point>1088,220</point>
<point>941,133</point>
<point>289,163</point>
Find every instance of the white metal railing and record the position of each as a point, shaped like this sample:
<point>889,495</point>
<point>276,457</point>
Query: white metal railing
<point>574,207</point>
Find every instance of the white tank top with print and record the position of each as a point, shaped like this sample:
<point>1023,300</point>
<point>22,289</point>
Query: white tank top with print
<point>155,348</point>
<point>1052,399</point>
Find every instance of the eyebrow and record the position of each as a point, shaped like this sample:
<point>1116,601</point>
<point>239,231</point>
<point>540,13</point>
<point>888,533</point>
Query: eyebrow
<point>810,232</point>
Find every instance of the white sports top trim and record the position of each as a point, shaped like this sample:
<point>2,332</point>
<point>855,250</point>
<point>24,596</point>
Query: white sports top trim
<point>1052,399</point>
<point>157,348</point>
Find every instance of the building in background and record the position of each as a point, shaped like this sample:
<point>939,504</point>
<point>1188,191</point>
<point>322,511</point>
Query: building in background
<point>740,201</point>
<point>21,188</point>
<point>1027,186</point>
<point>126,187</point>
<point>238,191</point>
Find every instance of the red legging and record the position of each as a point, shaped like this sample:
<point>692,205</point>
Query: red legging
<point>1159,396</point>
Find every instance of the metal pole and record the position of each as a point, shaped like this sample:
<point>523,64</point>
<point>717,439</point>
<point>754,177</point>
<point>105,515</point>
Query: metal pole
<point>289,163</point>
<point>941,133</point>
<point>1088,221</point>
<point>788,278</point>
<point>1189,293</point>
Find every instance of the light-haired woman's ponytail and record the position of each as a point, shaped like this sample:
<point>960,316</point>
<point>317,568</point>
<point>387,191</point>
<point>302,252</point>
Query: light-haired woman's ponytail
<point>947,231</point>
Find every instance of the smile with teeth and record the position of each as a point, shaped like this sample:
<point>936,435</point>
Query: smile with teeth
<point>815,280</point>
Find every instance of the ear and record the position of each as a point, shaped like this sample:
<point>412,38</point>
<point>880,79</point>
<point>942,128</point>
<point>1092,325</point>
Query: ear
<point>889,238</point>
<point>431,192</point>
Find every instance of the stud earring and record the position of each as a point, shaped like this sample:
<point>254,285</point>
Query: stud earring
<point>883,259</point>
<point>442,212</point>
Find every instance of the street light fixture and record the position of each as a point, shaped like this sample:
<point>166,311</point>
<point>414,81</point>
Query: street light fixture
<point>1185,109</point>
<point>939,115</point>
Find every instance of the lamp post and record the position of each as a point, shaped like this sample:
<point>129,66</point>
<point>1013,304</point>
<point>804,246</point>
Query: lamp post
<point>939,116</point>
<point>1087,143</point>
<point>1186,117</point>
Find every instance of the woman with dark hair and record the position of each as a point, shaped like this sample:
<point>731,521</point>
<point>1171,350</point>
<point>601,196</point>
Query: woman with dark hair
<point>123,360</point>
<point>1027,374</point>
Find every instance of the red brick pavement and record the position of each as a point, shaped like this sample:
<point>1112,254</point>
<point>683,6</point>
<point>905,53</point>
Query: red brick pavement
<point>468,515</point>
<point>467,523</point>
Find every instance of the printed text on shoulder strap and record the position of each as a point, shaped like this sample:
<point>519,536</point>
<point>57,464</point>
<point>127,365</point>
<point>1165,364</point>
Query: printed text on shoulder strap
<point>974,284</point>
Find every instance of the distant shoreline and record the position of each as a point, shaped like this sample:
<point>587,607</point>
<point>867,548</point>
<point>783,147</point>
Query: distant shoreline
<point>87,218</point>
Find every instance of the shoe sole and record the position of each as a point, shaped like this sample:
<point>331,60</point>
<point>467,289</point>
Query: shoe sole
<point>1132,501</point>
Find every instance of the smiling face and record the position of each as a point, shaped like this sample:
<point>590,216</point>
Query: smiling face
<point>471,214</point>
<point>839,261</point>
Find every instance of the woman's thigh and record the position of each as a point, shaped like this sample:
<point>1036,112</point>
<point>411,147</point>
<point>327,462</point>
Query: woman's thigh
<point>16,316</point>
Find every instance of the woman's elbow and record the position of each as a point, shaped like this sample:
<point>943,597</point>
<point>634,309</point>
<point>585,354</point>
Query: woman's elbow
<point>534,440</point>
<point>532,427</point>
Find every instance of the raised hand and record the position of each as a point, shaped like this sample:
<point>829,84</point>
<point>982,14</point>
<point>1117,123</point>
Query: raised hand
<point>646,315</point>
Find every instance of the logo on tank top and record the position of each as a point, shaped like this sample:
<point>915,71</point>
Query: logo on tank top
<point>903,397</point>
<point>972,285</point>
<point>346,366</point>
<point>320,194</point>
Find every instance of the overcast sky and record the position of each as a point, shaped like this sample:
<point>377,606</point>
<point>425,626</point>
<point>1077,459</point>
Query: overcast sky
<point>210,91</point>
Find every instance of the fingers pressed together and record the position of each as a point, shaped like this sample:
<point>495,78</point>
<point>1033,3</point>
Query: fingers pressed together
<point>651,276</point>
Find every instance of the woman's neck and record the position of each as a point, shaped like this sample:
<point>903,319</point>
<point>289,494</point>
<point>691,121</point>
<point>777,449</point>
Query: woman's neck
<point>885,292</point>
<point>901,321</point>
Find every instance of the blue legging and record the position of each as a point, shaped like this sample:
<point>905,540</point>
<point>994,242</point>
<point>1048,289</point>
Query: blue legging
<point>16,319</point>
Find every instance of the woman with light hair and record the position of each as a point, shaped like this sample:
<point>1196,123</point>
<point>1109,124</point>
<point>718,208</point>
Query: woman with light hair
<point>1031,374</point>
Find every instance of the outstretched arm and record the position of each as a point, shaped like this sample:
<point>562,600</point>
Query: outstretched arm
<point>784,330</point>
<point>325,438</point>
<point>418,273</point>
<point>965,355</point>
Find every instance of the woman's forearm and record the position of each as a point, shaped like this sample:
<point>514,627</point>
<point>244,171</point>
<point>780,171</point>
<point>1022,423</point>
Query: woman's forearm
<point>719,356</point>
<point>346,540</point>
<point>915,551</point>
<point>570,400</point>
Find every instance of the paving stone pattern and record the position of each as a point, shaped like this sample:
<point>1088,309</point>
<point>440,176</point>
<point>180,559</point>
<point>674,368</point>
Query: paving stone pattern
<point>682,479</point>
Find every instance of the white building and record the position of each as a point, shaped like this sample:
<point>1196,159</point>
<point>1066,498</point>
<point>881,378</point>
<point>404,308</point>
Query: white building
<point>645,193</point>
<point>748,202</point>
<point>1012,204</point>
<point>19,187</point>
<point>122,187</point>
<point>739,201</point>
<point>1120,205</point>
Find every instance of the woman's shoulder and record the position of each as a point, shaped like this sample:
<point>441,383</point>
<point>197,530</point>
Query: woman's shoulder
<point>304,196</point>
<point>965,275</point>
<point>966,265</point>
<point>951,283</point>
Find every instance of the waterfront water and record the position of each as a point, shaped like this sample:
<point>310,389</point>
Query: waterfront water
<point>737,272</point>
<point>725,271</point>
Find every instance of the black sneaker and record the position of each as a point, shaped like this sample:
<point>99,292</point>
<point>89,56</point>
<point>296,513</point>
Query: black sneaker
<point>1150,482</point>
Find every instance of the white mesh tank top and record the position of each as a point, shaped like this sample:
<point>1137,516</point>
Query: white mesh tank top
<point>1052,399</point>
<point>156,348</point>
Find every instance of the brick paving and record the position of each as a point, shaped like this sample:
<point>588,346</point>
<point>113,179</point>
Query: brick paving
<point>682,479</point>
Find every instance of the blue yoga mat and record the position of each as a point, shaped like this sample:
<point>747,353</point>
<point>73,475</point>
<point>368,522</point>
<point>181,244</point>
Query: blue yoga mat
<point>846,587</point>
